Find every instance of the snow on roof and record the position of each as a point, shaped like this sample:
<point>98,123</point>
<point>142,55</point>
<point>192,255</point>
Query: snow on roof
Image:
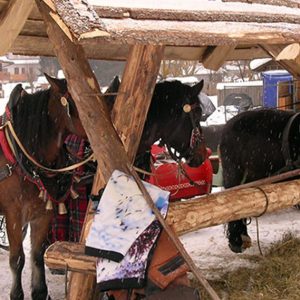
<point>60,74</point>
<point>256,63</point>
<point>25,61</point>
<point>277,72</point>
<point>193,5</point>
<point>221,85</point>
<point>41,80</point>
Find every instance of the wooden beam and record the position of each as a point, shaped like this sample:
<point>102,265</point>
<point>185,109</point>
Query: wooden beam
<point>290,55</point>
<point>215,57</point>
<point>93,112</point>
<point>287,3</point>
<point>290,52</point>
<point>12,20</point>
<point>135,94</point>
<point>274,51</point>
<point>195,214</point>
<point>95,118</point>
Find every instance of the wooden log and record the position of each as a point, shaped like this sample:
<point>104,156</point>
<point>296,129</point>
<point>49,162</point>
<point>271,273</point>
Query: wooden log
<point>70,256</point>
<point>288,64</point>
<point>195,214</point>
<point>94,115</point>
<point>232,205</point>
<point>288,3</point>
<point>12,20</point>
<point>135,94</point>
<point>214,57</point>
<point>290,52</point>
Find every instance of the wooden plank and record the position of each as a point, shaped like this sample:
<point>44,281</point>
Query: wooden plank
<point>290,52</point>
<point>136,91</point>
<point>32,45</point>
<point>289,65</point>
<point>193,11</point>
<point>199,213</point>
<point>34,28</point>
<point>215,57</point>
<point>35,45</point>
<point>192,33</point>
<point>287,3</point>
<point>12,20</point>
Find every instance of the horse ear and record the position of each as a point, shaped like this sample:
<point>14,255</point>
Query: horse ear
<point>197,88</point>
<point>58,85</point>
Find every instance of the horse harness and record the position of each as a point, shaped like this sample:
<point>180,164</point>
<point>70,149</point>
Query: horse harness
<point>10,143</point>
<point>289,163</point>
<point>197,136</point>
<point>196,139</point>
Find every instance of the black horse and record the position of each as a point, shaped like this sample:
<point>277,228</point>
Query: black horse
<point>173,118</point>
<point>254,145</point>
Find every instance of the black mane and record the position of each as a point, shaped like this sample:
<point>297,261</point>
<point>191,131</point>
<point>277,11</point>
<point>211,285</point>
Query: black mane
<point>31,119</point>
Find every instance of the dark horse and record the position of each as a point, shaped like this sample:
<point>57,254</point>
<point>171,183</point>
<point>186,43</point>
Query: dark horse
<point>41,122</point>
<point>173,118</point>
<point>254,145</point>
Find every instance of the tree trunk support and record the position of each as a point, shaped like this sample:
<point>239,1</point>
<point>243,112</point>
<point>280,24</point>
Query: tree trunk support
<point>95,117</point>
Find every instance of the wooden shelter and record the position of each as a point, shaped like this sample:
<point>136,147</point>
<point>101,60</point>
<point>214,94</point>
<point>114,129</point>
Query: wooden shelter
<point>143,34</point>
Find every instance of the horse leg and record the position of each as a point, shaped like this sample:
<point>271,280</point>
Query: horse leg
<point>16,254</point>
<point>236,232</point>
<point>38,235</point>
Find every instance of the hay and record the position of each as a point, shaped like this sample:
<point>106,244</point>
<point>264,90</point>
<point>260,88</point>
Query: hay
<point>275,277</point>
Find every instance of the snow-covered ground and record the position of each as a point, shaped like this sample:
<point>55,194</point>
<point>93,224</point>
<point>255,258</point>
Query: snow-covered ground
<point>208,248</point>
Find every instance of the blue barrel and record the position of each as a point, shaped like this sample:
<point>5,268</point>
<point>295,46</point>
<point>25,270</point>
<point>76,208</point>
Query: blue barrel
<point>270,81</point>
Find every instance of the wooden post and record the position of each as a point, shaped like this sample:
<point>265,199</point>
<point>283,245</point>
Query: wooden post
<point>95,118</point>
<point>136,90</point>
<point>214,57</point>
<point>12,20</point>
<point>289,65</point>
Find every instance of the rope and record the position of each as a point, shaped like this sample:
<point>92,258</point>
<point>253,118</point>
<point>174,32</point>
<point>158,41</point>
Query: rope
<point>66,280</point>
<point>61,170</point>
<point>256,219</point>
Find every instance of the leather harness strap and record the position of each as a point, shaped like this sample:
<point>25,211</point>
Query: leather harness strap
<point>289,163</point>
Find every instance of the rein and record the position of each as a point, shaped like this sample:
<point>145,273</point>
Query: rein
<point>60,170</point>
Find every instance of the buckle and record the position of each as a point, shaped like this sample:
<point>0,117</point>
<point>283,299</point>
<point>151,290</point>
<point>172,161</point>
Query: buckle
<point>9,168</point>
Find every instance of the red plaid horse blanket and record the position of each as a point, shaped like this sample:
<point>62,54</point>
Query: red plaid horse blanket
<point>68,227</point>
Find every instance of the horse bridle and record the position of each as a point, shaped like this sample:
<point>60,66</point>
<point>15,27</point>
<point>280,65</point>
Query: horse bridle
<point>196,137</point>
<point>9,129</point>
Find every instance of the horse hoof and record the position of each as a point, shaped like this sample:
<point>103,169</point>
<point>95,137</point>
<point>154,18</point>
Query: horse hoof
<point>246,241</point>
<point>235,248</point>
<point>240,248</point>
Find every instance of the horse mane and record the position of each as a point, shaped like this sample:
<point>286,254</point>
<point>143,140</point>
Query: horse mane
<point>164,94</point>
<point>31,120</point>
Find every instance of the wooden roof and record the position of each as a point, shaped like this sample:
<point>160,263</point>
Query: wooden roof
<point>190,30</point>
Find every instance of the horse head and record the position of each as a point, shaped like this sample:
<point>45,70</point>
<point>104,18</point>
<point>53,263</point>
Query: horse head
<point>62,108</point>
<point>175,115</point>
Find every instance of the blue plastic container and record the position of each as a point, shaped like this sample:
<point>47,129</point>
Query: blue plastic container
<point>270,81</point>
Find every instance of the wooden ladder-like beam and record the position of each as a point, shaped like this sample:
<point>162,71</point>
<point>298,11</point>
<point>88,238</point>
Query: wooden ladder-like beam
<point>95,117</point>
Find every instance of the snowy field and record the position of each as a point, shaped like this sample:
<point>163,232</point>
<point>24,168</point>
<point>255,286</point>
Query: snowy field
<point>208,248</point>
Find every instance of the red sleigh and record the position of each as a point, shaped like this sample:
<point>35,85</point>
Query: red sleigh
<point>186,183</point>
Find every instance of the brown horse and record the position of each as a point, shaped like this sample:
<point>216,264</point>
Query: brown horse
<point>41,122</point>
